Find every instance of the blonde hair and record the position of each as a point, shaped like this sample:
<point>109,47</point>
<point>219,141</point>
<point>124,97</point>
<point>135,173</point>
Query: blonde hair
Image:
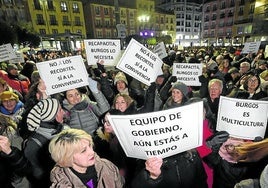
<point>127,98</point>
<point>64,145</point>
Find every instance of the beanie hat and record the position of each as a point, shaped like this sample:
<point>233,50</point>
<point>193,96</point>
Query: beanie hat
<point>44,111</point>
<point>8,95</point>
<point>120,76</point>
<point>180,86</point>
<point>11,67</point>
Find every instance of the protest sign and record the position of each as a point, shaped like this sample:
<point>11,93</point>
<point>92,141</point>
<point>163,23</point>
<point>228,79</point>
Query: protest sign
<point>160,50</point>
<point>140,63</point>
<point>188,73</point>
<point>242,118</point>
<point>19,58</point>
<point>161,134</point>
<point>63,74</point>
<point>102,49</point>
<point>6,52</point>
<point>251,47</point>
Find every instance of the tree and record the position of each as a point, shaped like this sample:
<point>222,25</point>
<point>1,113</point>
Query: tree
<point>7,34</point>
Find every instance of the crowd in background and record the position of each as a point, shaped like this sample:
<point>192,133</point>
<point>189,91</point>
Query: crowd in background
<point>66,140</point>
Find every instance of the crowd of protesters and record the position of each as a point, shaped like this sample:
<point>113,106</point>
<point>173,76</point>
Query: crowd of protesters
<point>66,140</point>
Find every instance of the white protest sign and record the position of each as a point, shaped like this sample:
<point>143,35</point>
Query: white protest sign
<point>242,118</point>
<point>160,50</point>
<point>102,49</point>
<point>266,51</point>
<point>140,63</point>
<point>187,73</point>
<point>19,58</point>
<point>121,30</point>
<point>62,74</point>
<point>162,134</point>
<point>251,47</point>
<point>6,52</point>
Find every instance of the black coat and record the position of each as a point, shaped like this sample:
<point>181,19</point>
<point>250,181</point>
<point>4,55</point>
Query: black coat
<point>184,170</point>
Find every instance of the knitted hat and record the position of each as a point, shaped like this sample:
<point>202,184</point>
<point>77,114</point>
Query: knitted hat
<point>180,86</point>
<point>11,67</point>
<point>120,76</point>
<point>8,95</point>
<point>43,111</point>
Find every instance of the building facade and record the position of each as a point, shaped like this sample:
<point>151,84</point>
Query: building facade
<point>188,18</point>
<point>232,22</point>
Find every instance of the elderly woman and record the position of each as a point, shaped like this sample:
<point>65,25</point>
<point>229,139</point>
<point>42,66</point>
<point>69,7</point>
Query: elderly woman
<point>11,105</point>
<point>77,165</point>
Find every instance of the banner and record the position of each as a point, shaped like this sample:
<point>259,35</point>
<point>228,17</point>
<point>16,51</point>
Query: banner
<point>63,74</point>
<point>187,73</point>
<point>161,134</point>
<point>102,49</point>
<point>242,118</point>
<point>140,63</point>
<point>6,52</point>
<point>251,47</point>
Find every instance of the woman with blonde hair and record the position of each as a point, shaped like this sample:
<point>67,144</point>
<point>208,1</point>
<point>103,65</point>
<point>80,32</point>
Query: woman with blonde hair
<point>77,164</point>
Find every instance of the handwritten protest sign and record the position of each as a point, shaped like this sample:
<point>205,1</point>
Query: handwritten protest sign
<point>188,73</point>
<point>251,47</point>
<point>6,52</point>
<point>63,74</point>
<point>140,63</point>
<point>160,50</point>
<point>102,49</point>
<point>242,118</point>
<point>163,134</point>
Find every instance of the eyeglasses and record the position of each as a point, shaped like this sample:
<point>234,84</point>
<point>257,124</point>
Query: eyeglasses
<point>106,122</point>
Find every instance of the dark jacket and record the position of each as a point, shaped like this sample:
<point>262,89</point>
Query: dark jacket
<point>14,164</point>
<point>184,170</point>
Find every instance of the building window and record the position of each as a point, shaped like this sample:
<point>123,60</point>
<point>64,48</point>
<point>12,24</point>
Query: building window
<point>75,8</point>
<point>42,31</point>
<point>65,20</point>
<point>50,5</point>
<point>67,31</point>
<point>53,20</point>
<point>40,19</point>
<point>63,6</point>
<point>106,11</point>
<point>97,10</point>
<point>55,31</point>
<point>37,5</point>
<point>77,21</point>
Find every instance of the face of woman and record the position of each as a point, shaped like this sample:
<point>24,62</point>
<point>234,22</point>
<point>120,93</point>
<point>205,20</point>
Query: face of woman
<point>120,104</point>
<point>9,104</point>
<point>84,157</point>
<point>120,85</point>
<point>253,83</point>
<point>107,126</point>
<point>177,95</point>
<point>73,96</point>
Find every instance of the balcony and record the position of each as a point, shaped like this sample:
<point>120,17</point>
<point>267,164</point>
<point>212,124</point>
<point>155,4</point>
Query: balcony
<point>243,21</point>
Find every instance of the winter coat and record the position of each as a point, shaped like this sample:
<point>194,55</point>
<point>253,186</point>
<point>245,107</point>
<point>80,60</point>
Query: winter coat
<point>107,172</point>
<point>36,151</point>
<point>184,170</point>
<point>20,82</point>
<point>85,115</point>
